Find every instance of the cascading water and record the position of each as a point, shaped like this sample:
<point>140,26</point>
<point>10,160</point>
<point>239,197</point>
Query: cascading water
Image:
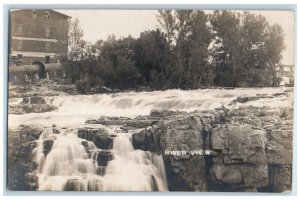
<point>71,166</point>
<point>67,161</point>
<point>79,108</point>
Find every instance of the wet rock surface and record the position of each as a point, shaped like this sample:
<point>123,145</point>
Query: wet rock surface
<point>33,104</point>
<point>30,108</point>
<point>103,157</point>
<point>21,167</point>
<point>250,149</point>
<point>43,88</point>
<point>100,137</point>
<point>47,146</point>
<point>138,122</point>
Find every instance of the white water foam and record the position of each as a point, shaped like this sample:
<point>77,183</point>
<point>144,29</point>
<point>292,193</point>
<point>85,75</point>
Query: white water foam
<point>75,110</point>
<point>68,166</point>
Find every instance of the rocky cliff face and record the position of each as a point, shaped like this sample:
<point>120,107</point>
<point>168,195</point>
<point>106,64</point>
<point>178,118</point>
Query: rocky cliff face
<point>250,149</point>
<point>21,167</point>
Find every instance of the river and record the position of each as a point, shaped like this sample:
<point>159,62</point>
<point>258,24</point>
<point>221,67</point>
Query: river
<point>70,166</point>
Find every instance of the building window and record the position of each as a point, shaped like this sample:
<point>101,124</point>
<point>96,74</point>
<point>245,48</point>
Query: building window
<point>20,29</point>
<point>47,46</point>
<point>47,15</point>
<point>19,45</point>
<point>47,59</point>
<point>47,31</point>
<point>34,15</point>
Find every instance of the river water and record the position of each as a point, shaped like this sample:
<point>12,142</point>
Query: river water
<point>74,110</point>
<point>70,166</point>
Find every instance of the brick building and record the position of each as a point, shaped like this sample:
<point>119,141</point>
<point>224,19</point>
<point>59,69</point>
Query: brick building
<point>37,35</point>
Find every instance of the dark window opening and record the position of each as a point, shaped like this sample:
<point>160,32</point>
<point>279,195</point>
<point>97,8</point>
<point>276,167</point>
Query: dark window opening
<point>47,15</point>
<point>19,29</point>
<point>47,46</point>
<point>47,31</point>
<point>47,59</point>
<point>34,15</point>
<point>19,46</point>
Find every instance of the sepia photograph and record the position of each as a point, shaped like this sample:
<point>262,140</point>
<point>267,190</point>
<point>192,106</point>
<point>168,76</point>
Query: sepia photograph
<point>169,100</point>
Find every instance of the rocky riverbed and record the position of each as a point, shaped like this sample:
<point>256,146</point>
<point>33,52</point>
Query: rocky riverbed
<point>247,145</point>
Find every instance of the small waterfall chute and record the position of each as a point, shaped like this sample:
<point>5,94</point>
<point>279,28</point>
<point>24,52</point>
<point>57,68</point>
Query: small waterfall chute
<point>73,164</point>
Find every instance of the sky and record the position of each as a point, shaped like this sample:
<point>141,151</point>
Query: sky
<point>99,24</point>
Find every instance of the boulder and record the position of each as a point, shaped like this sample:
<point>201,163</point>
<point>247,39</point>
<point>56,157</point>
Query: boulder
<point>37,100</point>
<point>47,146</point>
<point>280,179</point>
<point>26,100</point>
<point>27,147</point>
<point>30,132</point>
<point>30,108</point>
<point>136,123</point>
<point>241,175</point>
<point>240,143</point>
<point>102,157</point>
<point>100,137</point>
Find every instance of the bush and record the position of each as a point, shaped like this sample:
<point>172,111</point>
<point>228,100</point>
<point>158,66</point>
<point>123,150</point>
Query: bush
<point>82,86</point>
<point>86,86</point>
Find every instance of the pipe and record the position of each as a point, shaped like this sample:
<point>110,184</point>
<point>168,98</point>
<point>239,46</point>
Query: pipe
<point>34,68</point>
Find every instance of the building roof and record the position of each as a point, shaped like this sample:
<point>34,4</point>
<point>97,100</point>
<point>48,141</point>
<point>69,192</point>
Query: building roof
<point>61,13</point>
<point>67,16</point>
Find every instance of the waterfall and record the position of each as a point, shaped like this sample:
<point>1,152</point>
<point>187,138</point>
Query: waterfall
<point>71,166</point>
<point>141,103</point>
<point>79,108</point>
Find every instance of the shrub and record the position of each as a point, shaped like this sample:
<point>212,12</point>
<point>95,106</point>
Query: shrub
<point>85,86</point>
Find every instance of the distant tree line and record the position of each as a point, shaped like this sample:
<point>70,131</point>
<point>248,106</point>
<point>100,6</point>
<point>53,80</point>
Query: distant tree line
<point>191,49</point>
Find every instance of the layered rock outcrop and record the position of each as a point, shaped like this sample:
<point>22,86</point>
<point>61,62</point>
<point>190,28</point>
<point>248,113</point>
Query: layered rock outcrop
<point>21,166</point>
<point>245,149</point>
<point>100,137</point>
<point>33,104</point>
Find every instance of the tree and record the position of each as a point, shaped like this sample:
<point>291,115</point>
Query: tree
<point>76,42</point>
<point>167,21</point>
<point>247,49</point>
<point>150,52</point>
<point>252,65</point>
<point>274,45</point>
<point>226,28</point>
<point>117,59</point>
<point>190,36</point>
<point>199,72</point>
<point>75,49</point>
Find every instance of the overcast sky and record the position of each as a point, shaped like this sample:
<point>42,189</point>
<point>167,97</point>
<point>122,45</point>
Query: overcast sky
<point>98,24</point>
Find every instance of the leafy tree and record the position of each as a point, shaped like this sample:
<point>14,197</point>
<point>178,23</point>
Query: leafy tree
<point>199,72</point>
<point>150,52</point>
<point>117,58</point>
<point>247,49</point>
<point>75,39</point>
<point>274,45</point>
<point>226,52</point>
<point>190,34</point>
